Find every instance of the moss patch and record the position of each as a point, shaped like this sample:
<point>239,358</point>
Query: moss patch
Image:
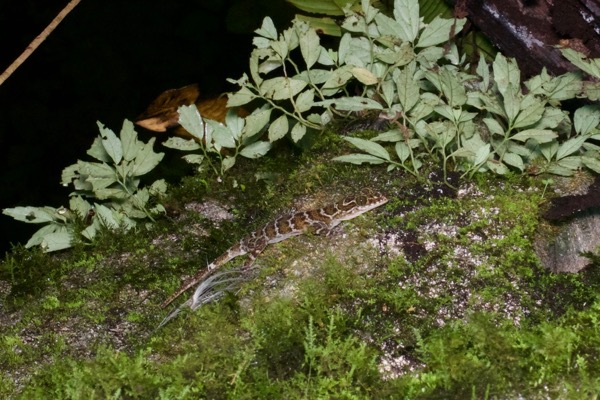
<point>436,294</point>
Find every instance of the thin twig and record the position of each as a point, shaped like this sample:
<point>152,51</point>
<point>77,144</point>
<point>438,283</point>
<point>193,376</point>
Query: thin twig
<point>38,40</point>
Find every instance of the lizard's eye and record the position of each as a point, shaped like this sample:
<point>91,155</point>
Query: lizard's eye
<point>361,200</point>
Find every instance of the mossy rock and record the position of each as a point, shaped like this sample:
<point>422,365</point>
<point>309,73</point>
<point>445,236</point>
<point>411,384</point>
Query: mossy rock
<point>437,294</point>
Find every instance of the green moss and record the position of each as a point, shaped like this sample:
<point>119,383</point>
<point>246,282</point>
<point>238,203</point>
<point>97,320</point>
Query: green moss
<point>465,310</point>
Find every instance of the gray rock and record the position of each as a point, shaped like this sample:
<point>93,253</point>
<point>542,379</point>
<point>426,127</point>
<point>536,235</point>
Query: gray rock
<point>562,252</point>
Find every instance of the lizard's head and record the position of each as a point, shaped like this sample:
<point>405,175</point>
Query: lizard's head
<point>369,199</point>
<point>366,200</point>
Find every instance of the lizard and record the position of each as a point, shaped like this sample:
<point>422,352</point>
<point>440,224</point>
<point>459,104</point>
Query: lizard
<point>319,221</point>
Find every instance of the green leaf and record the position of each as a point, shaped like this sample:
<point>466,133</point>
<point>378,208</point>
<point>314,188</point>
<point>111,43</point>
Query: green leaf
<point>513,159</point>
<point>146,159</point>
<point>552,118</point>
<point>445,111</point>
<point>96,169</point>
<point>424,107</point>
<point>531,112</point>
<point>396,56</point>
<point>573,162</point>
<point>549,150</point>
<point>314,76</point>
<point>406,12</point>
<point>592,163</point>
<point>221,134</point>
<point>428,57</point>
<point>591,66</point>
<point>403,151</point>
<point>191,121</point>
<point>570,146</point>
<point>239,98</point>
<point>106,216</point>
<point>298,132</point>
<point>327,7</point>
<point>235,123</point>
<point>255,122</point>
<point>99,183</point>
<point>512,105</point>
<point>506,72</point>
<point>497,167</point>
<point>440,30</point>
<point>79,206</point>
<point>111,193</point>
<point>326,25</point>
<point>59,240</point>
<point>32,215</point>
<point>389,27</point>
<point>337,80</point>
<point>564,87</point>
<point>193,158</point>
<point>586,119</point>
<point>452,88</point>
<point>489,102</point>
<point>278,128</point>
<point>354,23</point>
<point>129,141</point>
<point>111,143</point>
<point>256,149</point>
<point>37,238</point>
<point>158,187</point>
<point>267,29</point>
<point>393,135</point>
<point>305,100</point>
<point>178,143</point>
<point>310,47</point>
<point>388,91</point>
<point>359,159</point>
<point>370,147</point>
<point>482,154</point>
<point>560,170</point>
<point>539,135</point>
<point>462,152</point>
<point>368,11</point>
<point>591,90</point>
<point>356,103</point>
<point>98,151</point>
<point>227,163</point>
<point>484,72</point>
<point>407,87</point>
<point>364,76</point>
<point>344,47</point>
<point>90,232</point>
<point>282,88</point>
<point>360,53</point>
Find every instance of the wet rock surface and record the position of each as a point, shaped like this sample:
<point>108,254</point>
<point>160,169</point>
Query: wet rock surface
<point>576,222</point>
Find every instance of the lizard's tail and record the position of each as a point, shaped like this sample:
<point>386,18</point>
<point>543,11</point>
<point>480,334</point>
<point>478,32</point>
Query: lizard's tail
<point>209,290</point>
<point>214,288</point>
<point>186,285</point>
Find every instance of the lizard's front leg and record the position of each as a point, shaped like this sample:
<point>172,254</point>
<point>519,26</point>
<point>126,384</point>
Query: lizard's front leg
<point>320,228</point>
<point>254,250</point>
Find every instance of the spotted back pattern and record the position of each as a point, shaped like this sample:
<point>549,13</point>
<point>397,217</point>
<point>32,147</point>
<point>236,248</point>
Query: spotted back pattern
<point>319,221</point>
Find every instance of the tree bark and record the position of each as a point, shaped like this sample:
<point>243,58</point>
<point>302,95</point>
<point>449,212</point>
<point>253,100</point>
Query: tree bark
<point>531,30</point>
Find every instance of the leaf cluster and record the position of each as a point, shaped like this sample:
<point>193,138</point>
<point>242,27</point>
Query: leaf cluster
<point>413,76</point>
<point>107,192</point>
<point>478,122</point>
<point>238,136</point>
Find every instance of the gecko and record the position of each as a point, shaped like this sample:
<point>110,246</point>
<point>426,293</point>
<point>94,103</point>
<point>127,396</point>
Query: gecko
<point>319,221</point>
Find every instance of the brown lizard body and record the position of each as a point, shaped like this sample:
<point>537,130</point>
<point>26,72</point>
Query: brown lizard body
<point>320,221</point>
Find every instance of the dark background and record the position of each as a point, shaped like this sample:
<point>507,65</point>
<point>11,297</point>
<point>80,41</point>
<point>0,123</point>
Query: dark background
<point>106,61</point>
